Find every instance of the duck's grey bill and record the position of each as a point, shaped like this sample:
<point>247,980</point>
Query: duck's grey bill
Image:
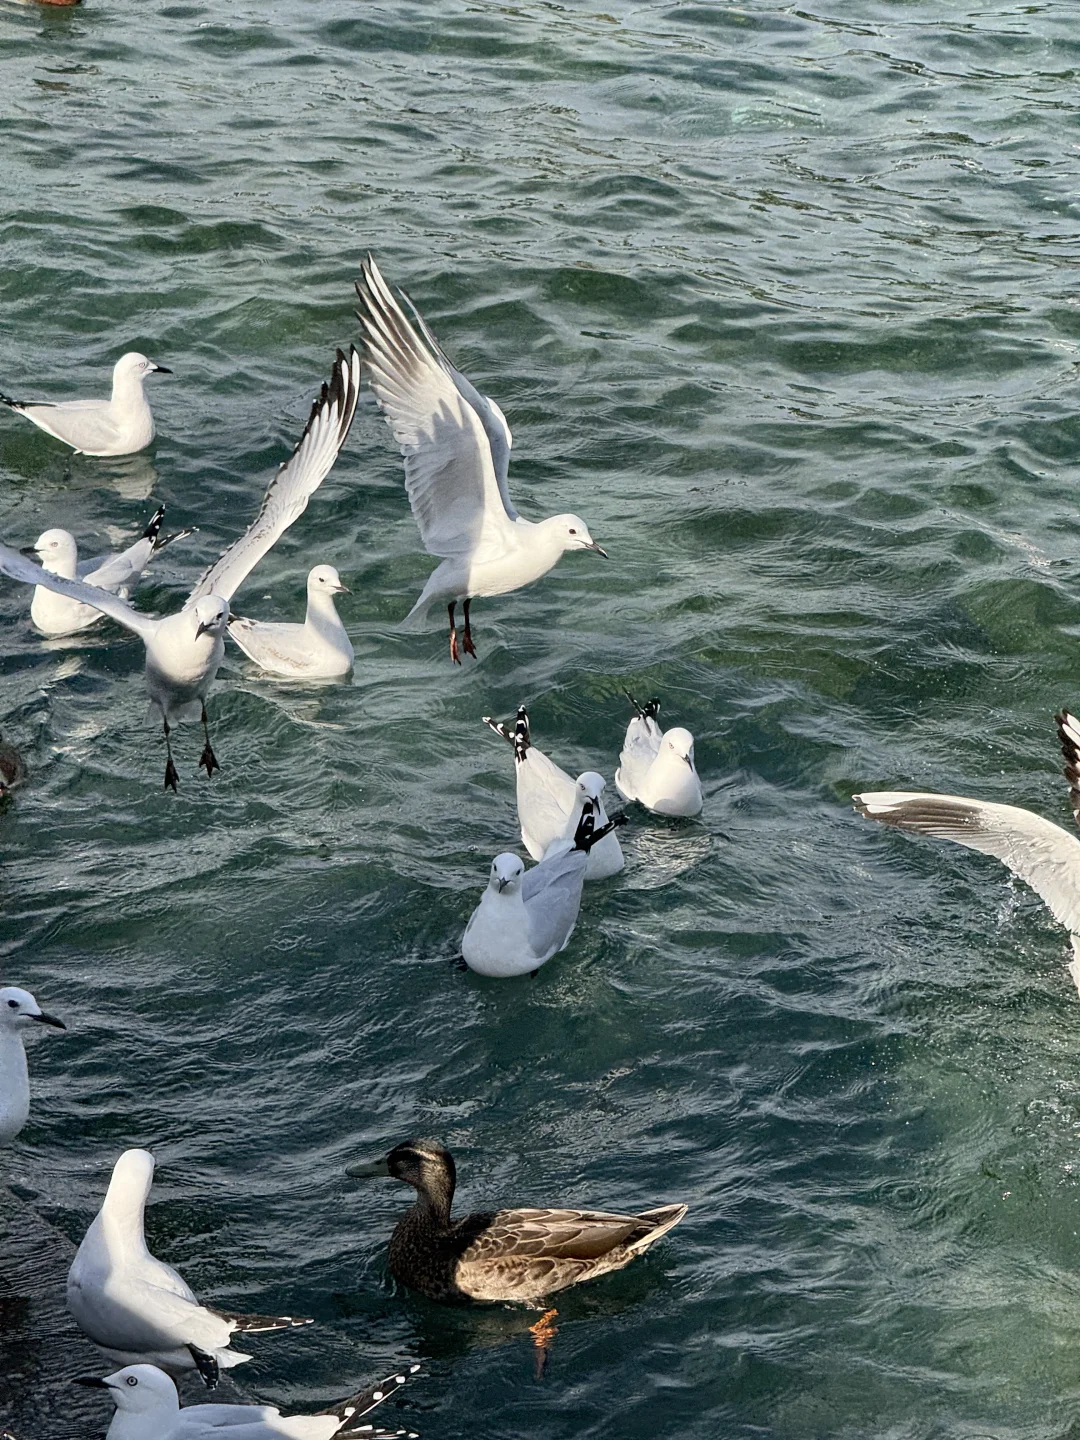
<point>44,1019</point>
<point>370,1167</point>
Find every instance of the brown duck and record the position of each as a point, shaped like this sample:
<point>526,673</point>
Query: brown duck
<point>522,1255</point>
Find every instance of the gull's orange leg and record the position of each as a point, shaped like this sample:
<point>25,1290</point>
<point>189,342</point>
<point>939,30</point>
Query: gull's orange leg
<point>470,649</point>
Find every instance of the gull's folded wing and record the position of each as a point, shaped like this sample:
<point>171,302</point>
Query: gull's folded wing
<point>491,417</point>
<point>546,798</point>
<point>18,567</point>
<point>1038,851</point>
<point>449,474</point>
<point>294,484</point>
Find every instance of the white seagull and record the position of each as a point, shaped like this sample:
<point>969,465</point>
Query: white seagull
<point>148,1408</point>
<point>526,916</point>
<point>1038,851</point>
<point>656,768</point>
<point>117,426</point>
<point>456,445</point>
<point>319,649</point>
<point>549,803</point>
<point>138,1309</point>
<point>184,651</point>
<point>18,1009</point>
<point>118,573</point>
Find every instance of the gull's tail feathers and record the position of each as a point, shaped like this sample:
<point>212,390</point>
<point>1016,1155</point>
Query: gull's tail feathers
<point>153,533</point>
<point>350,1412</point>
<point>260,1324</point>
<point>520,738</point>
<point>649,711</point>
<point>1069,735</point>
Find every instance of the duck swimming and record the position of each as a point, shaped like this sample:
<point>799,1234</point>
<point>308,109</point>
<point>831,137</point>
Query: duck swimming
<point>517,1255</point>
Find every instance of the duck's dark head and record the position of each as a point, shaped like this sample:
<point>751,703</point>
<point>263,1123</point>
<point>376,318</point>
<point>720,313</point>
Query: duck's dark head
<point>426,1165</point>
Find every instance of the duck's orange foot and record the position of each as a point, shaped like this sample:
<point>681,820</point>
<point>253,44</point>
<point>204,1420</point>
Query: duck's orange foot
<point>543,1333</point>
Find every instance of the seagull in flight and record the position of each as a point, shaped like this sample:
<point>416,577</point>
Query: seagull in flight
<point>184,651</point>
<point>1036,850</point>
<point>57,551</point>
<point>456,445</point>
<point>117,426</point>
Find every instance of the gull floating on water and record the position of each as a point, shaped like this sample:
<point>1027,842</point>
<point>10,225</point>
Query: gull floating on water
<point>319,649</point>
<point>18,1009</point>
<point>456,445</point>
<point>138,1309</point>
<point>184,651</point>
<point>118,573</point>
<point>656,768</point>
<point>1036,850</point>
<point>148,1408</point>
<point>527,916</point>
<point>549,803</point>
<point>117,426</point>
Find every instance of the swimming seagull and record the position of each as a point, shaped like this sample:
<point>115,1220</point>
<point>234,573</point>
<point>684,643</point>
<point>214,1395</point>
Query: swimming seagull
<point>549,803</point>
<point>657,768</point>
<point>138,1309</point>
<point>1038,851</point>
<point>319,649</point>
<point>148,1408</point>
<point>18,1009</point>
<point>117,426</point>
<point>526,916</point>
<point>118,573</point>
<point>456,445</point>
<point>184,651</point>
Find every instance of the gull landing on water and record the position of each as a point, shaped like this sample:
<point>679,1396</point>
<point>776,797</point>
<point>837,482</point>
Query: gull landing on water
<point>138,1309</point>
<point>549,803</point>
<point>319,649</point>
<point>18,1009</point>
<point>184,651</point>
<point>119,574</point>
<point>1036,850</point>
<point>117,426</point>
<point>148,1408</point>
<point>456,445</point>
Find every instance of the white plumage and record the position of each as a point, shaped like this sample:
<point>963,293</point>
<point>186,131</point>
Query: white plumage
<point>18,1010</point>
<point>184,651</point>
<point>319,649</point>
<point>117,426</point>
<point>1039,852</point>
<point>656,768</point>
<point>456,445</point>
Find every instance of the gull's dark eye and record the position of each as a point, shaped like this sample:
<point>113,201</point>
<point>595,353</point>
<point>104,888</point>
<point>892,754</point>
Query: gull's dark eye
<point>13,1004</point>
<point>131,1380</point>
<point>572,530</point>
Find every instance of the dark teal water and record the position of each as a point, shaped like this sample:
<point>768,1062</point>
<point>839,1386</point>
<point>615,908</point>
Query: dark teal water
<point>785,304</point>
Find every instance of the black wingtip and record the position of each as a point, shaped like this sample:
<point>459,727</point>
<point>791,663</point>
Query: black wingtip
<point>649,711</point>
<point>522,734</point>
<point>586,825</point>
<point>206,1365</point>
<point>154,528</point>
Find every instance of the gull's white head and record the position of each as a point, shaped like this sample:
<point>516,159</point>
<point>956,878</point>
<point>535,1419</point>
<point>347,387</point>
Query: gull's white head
<point>678,743</point>
<point>324,580</point>
<point>132,1176</point>
<point>211,614</point>
<point>506,873</point>
<point>134,366</point>
<point>590,785</point>
<point>57,552</point>
<point>574,533</point>
<point>18,1008</point>
<point>138,1390</point>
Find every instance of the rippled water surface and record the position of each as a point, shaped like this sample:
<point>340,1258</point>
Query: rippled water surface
<point>784,302</point>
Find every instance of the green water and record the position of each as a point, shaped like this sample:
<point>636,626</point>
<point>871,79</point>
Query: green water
<point>784,303</point>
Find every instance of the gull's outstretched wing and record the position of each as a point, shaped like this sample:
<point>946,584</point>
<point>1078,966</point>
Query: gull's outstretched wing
<point>1038,851</point>
<point>1069,735</point>
<point>449,473</point>
<point>491,417</point>
<point>20,568</point>
<point>294,484</point>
